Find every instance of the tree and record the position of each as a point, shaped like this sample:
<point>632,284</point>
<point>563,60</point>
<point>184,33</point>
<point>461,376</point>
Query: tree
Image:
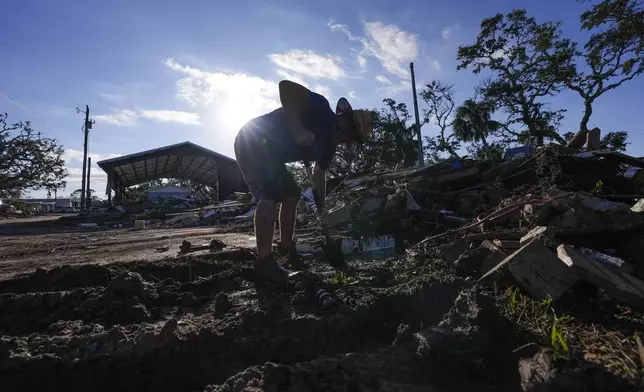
<point>493,151</point>
<point>613,55</point>
<point>28,160</point>
<point>391,144</point>
<point>473,122</point>
<point>528,61</point>
<point>616,141</point>
<point>76,195</point>
<point>439,99</point>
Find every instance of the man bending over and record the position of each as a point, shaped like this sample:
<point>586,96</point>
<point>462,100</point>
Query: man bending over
<point>303,129</point>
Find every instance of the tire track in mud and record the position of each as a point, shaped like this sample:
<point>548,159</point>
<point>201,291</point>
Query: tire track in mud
<point>187,324</point>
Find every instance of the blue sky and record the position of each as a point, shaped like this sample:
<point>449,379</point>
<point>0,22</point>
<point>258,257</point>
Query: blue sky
<point>161,72</point>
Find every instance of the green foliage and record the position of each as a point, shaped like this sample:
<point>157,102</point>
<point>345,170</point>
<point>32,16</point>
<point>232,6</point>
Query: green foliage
<point>473,122</point>
<point>599,187</point>
<point>340,279</point>
<point>439,101</point>
<point>493,151</point>
<point>204,194</point>
<point>28,160</point>
<point>76,195</point>
<point>25,208</point>
<point>615,141</point>
<point>392,143</point>
<point>557,338</point>
<point>527,61</point>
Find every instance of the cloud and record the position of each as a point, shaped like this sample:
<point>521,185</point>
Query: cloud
<point>395,89</point>
<point>336,27</point>
<point>353,95</point>
<point>292,77</point>
<point>309,64</point>
<point>172,116</point>
<point>383,79</point>
<point>448,32</point>
<point>74,162</point>
<point>111,97</point>
<point>436,65</point>
<point>98,181</point>
<point>392,46</point>
<point>129,117</point>
<point>119,118</point>
<point>231,99</point>
<point>73,156</point>
<point>323,90</point>
<point>362,62</point>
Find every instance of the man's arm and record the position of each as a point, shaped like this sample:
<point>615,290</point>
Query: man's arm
<point>319,184</point>
<point>295,99</point>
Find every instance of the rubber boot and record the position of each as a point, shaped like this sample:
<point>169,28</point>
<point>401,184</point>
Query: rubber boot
<point>268,269</point>
<point>293,257</point>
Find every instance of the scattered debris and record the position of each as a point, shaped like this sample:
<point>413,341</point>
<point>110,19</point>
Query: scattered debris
<point>523,274</point>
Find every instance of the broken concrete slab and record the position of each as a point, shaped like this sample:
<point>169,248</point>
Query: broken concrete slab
<point>619,285</point>
<point>596,204</point>
<point>494,257</point>
<point>538,232</point>
<point>338,215</point>
<point>452,251</point>
<point>639,206</point>
<point>372,204</point>
<point>537,270</point>
<point>507,244</point>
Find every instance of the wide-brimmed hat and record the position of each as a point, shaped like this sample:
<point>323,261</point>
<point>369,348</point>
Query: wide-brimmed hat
<point>362,118</point>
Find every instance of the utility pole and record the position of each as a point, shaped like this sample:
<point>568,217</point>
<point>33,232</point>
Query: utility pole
<point>86,127</point>
<point>420,140</point>
<point>88,198</point>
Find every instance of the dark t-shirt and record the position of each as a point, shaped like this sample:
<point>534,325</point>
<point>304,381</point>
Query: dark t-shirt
<point>274,130</point>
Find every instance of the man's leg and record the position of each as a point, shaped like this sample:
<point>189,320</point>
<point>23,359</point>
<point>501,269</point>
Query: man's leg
<point>287,221</point>
<point>290,196</point>
<point>261,173</point>
<point>265,215</point>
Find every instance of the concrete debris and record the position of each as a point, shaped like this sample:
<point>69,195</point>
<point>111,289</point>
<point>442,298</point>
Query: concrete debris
<point>619,285</point>
<point>639,206</point>
<point>338,215</point>
<point>537,370</point>
<point>216,243</point>
<point>508,244</point>
<point>186,246</point>
<point>537,270</point>
<point>603,257</point>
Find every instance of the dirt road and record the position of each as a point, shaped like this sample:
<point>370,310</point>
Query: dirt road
<point>47,247</point>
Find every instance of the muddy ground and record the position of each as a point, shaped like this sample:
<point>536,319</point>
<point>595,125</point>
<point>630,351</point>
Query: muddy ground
<point>106,311</point>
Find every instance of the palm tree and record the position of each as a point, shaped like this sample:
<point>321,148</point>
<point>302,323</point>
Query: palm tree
<point>473,122</point>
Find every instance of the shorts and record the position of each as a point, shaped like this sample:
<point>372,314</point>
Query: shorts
<point>265,174</point>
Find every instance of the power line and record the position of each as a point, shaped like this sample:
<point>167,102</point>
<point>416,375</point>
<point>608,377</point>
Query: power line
<point>22,106</point>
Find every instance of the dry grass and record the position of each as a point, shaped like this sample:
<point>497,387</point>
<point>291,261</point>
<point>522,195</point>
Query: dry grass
<point>574,338</point>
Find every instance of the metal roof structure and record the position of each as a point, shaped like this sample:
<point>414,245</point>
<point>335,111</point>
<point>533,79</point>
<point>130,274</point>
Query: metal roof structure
<point>183,160</point>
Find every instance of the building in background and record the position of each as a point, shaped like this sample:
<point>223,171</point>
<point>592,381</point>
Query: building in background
<point>179,161</point>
